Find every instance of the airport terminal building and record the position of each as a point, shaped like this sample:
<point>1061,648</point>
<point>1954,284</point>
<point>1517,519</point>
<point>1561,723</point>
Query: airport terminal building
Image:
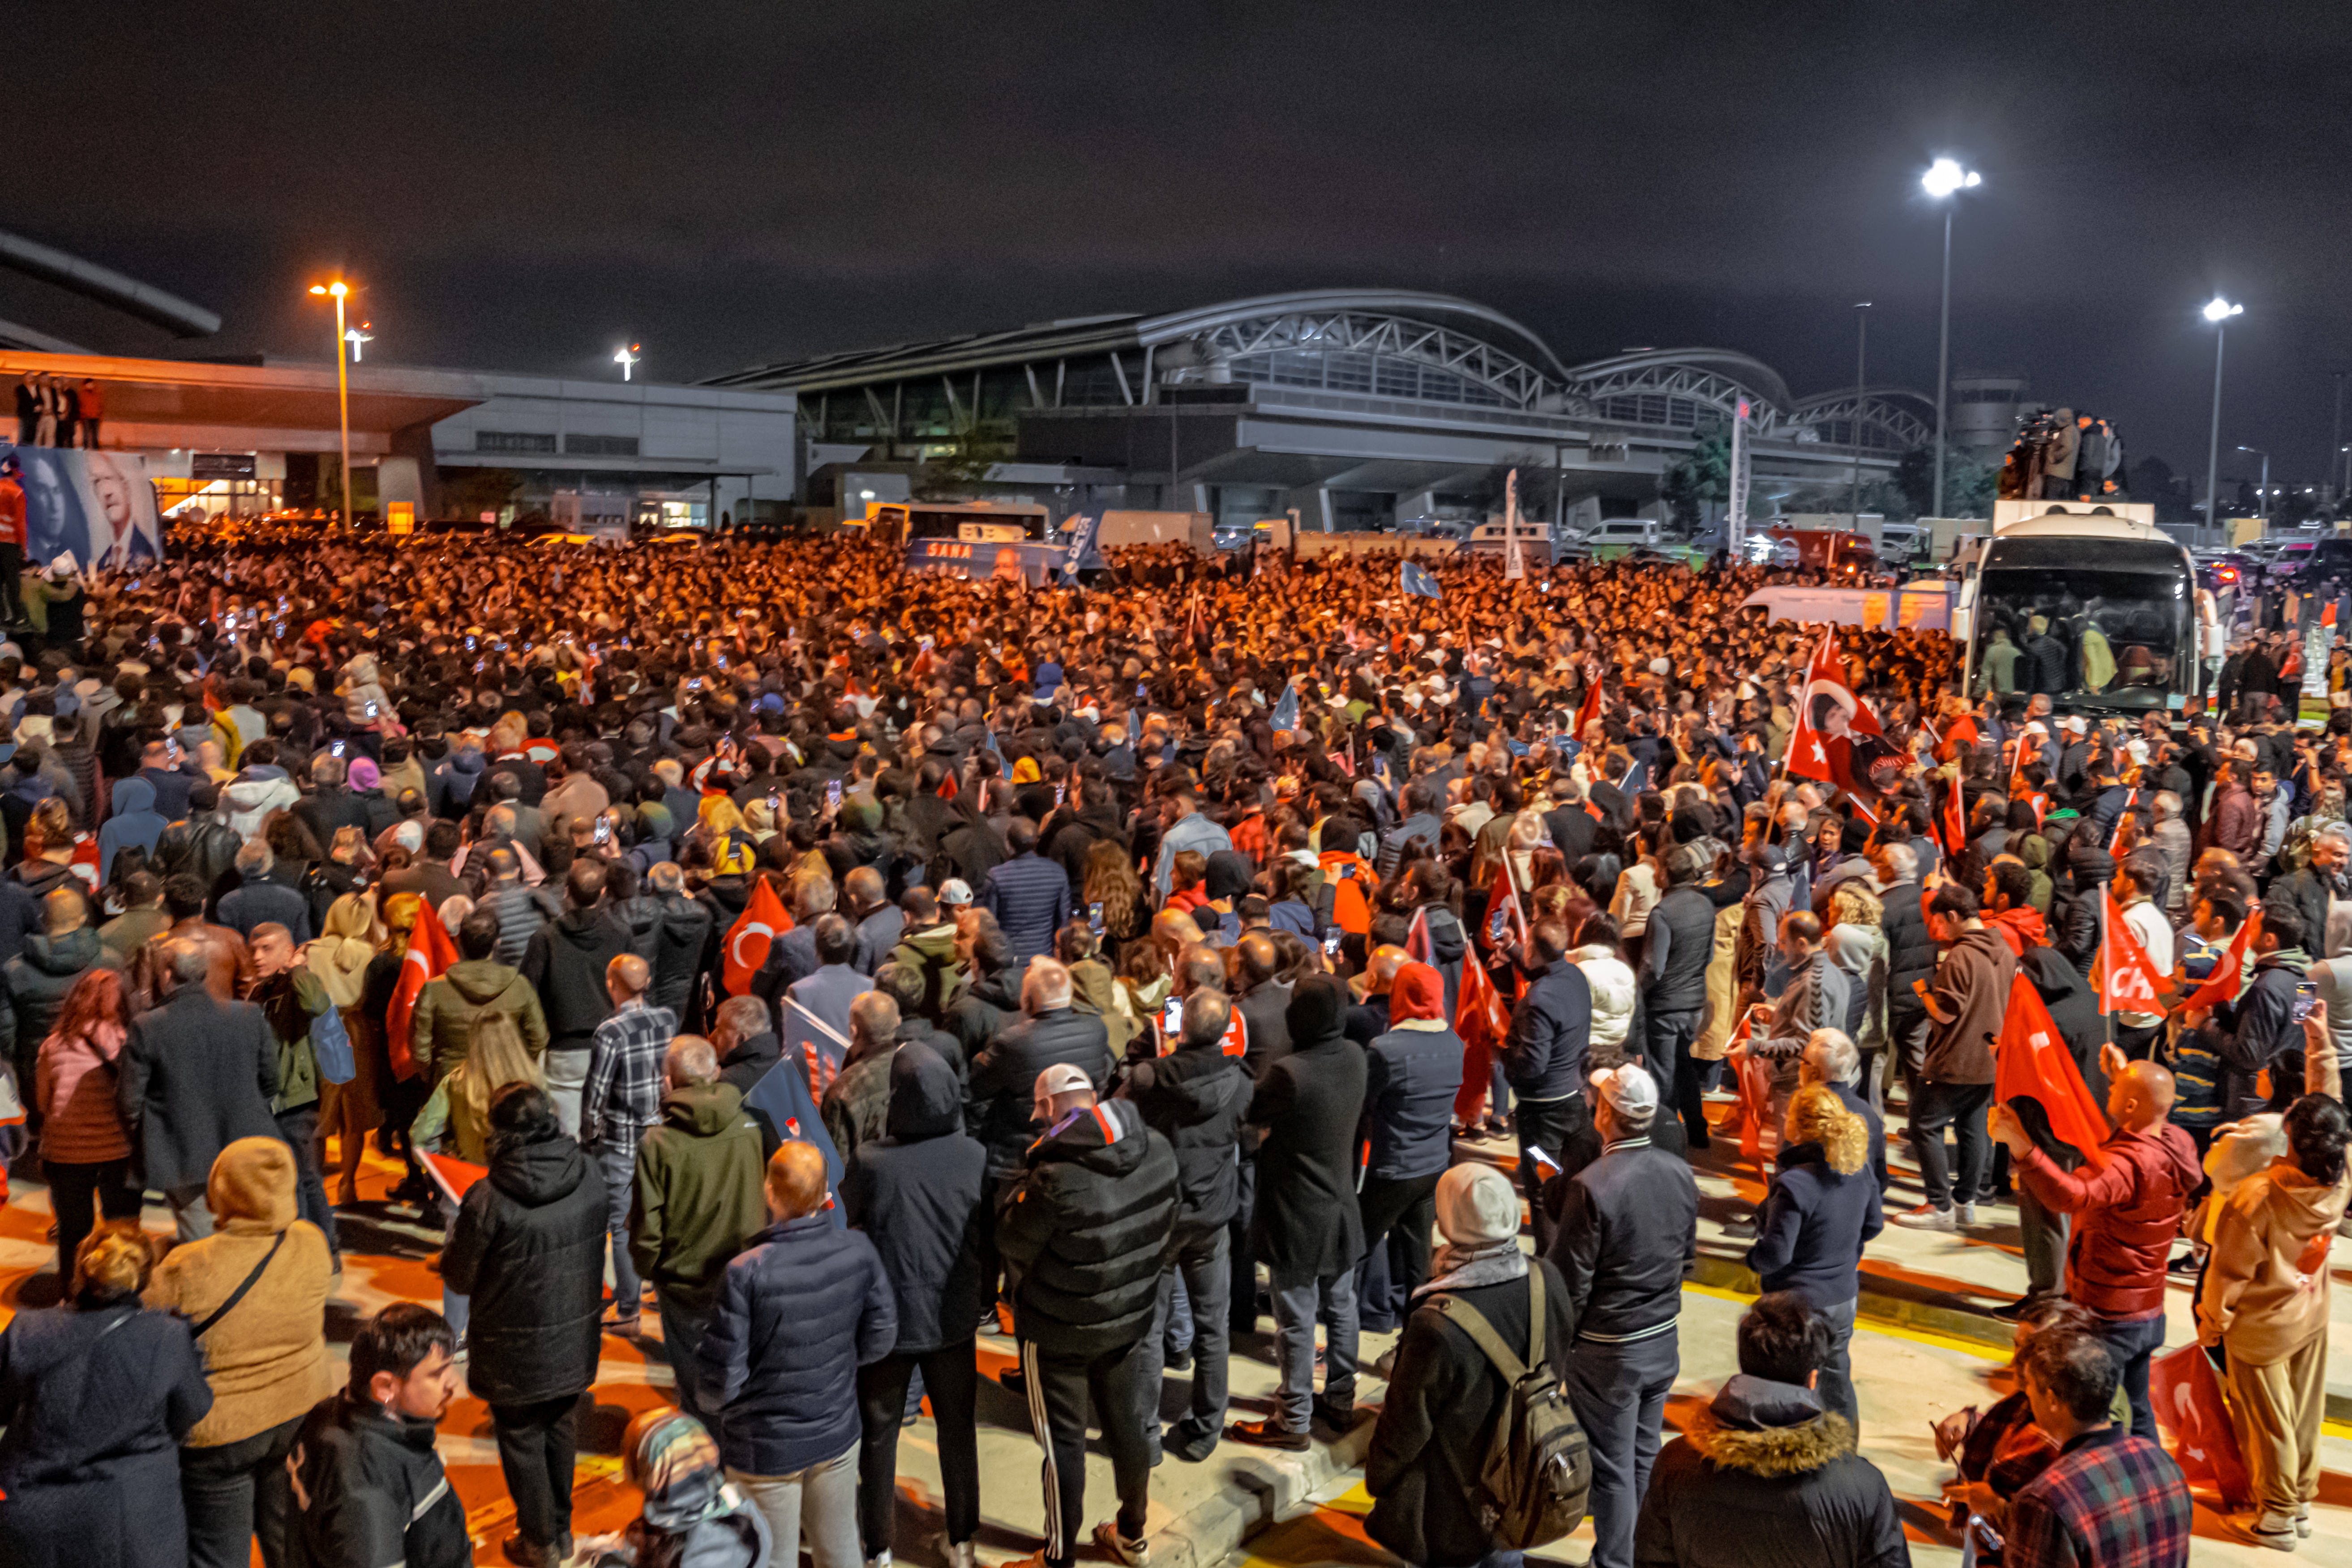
<point>1354,408</point>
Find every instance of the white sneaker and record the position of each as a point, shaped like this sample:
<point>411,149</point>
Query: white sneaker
<point>1968,1212</point>
<point>2276,1530</point>
<point>1928,1217</point>
<point>880,1560</point>
<point>957,1554</point>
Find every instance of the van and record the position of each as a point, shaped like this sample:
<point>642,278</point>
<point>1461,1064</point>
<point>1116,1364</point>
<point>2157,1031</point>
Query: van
<point>1493,539</point>
<point>1615,537</point>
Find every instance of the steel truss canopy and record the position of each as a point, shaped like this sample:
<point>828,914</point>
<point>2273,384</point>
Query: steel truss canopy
<point>1399,346</point>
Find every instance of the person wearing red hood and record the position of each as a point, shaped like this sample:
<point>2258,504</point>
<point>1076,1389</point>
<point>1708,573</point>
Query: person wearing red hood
<point>2126,1208</point>
<point>2009,888</point>
<point>1413,1070</point>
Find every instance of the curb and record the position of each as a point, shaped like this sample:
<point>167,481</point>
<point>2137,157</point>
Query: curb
<point>1725,1274</point>
<point>1261,1486</point>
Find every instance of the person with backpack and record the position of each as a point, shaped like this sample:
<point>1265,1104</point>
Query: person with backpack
<point>1451,1404</point>
<point>1766,1476</point>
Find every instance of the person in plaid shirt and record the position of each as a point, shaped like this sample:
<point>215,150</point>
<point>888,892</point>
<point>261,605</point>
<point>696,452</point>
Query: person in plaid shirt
<point>2112,1499</point>
<point>621,1100</point>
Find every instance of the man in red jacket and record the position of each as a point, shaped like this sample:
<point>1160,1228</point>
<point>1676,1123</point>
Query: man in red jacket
<point>2126,1209</point>
<point>11,539</point>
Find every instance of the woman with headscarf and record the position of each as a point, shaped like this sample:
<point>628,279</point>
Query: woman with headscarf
<point>257,1288</point>
<point>693,1516</point>
<point>95,1395</point>
<point>1444,1394</point>
<point>340,961</point>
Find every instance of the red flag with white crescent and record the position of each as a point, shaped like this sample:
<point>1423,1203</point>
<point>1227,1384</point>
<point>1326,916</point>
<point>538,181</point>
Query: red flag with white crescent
<point>430,952</point>
<point>2126,981</point>
<point>1818,746</point>
<point>755,930</point>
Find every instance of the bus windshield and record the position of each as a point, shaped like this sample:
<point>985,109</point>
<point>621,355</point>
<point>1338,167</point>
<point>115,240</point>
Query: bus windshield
<point>2093,639</point>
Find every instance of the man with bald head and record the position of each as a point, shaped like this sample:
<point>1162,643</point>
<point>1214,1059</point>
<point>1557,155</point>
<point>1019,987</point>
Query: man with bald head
<point>800,1310</point>
<point>1369,1019</point>
<point>2126,1209</point>
<point>620,1098</point>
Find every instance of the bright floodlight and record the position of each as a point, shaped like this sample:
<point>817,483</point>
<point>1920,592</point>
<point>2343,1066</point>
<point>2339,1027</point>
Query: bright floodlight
<point>2220,309</point>
<point>1945,175</point>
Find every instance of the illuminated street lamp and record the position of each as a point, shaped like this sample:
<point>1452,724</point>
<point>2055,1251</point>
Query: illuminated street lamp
<point>627,359</point>
<point>338,289</point>
<point>1945,179</point>
<point>2218,310</point>
<point>359,337</point>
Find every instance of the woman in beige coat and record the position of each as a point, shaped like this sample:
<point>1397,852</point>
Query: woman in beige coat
<point>254,1291</point>
<point>2265,1301</point>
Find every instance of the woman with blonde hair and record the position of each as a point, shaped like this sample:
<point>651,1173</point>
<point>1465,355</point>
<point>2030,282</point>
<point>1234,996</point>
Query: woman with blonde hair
<point>456,1117</point>
<point>1822,1205</point>
<point>95,1395</point>
<point>340,960</point>
<point>48,849</point>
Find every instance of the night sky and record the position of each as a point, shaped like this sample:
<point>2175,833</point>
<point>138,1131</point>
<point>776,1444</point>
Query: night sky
<point>526,186</point>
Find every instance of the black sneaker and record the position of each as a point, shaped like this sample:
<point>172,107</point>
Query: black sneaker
<point>1269,1433</point>
<point>1015,1382</point>
<point>1178,1360</point>
<point>2017,1311</point>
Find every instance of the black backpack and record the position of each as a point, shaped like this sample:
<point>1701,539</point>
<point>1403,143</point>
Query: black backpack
<point>1538,1474</point>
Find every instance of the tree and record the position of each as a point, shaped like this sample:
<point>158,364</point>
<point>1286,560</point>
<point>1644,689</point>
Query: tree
<point>2152,479</point>
<point>1700,477</point>
<point>1969,485</point>
<point>976,447</point>
<point>469,492</point>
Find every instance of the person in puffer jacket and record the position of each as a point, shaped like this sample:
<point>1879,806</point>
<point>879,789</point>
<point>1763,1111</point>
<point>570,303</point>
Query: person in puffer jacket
<point>260,787</point>
<point>365,705</point>
<point>1085,1229</point>
<point>1614,991</point>
<point>1765,1475</point>
<point>921,1192</point>
<point>800,1310</point>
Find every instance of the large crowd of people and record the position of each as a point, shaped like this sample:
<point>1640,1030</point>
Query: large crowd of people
<point>846,965</point>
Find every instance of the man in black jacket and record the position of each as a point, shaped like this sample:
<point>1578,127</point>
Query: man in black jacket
<point>1572,828</point>
<point>1308,1231</point>
<point>1673,985</point>
<point>919,1193</point>
<point>1766,1466</point>
<point>1910,955</point>
<point>1543,1061</point>
<point>999,1096</point>
<point>1085,1229</point>
<point>565,964</point>
<point>1628,1229</point>
<point>1195,1097</point>
<point>367,1482</point>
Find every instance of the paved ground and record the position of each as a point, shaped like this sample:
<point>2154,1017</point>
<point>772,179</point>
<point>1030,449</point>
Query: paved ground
<point>1930,1350</point>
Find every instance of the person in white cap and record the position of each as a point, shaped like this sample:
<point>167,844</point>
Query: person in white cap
<point>1083,1227</point>
<point>1445,1394</point>
<point>1628,1227</point>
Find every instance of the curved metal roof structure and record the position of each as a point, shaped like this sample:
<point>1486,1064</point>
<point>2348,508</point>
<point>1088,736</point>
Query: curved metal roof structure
<point>1892,417</point>
<point>106,286</point>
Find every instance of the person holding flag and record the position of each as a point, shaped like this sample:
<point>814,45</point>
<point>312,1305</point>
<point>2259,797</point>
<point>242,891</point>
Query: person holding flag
<point>2135,953</point>
<point>1829,715</point>
<point>1968,1004</point>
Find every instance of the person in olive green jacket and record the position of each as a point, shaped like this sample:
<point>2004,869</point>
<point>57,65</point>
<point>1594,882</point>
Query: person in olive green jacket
<point>697,1200</point>
<point>441,1029</point>
<point>291,999</point>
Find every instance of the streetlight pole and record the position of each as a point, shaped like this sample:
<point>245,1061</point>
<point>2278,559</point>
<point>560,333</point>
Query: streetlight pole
<point>1861,359</point>
<point>338,289</point>
<point>2218,310</point>
<point>1945,179</point>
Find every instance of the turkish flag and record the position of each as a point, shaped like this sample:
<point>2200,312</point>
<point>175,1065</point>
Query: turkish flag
<point>2034,1064</point>
<point>1819,750</point>
<point>1956,819</point>
<point>454,1176</point>
<point>2221,986</point>
<point>1507,920</point>
<point>755,930</point>
<point>430,952</point>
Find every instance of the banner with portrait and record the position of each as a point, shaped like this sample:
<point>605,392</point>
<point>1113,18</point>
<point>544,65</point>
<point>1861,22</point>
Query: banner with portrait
<point>97,505</point>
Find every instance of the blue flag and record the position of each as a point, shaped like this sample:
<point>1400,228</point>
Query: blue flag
<point>1082,547</point>
<point>782,1096</point>
<point>1415,578</point>
<point>1286,709</point>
